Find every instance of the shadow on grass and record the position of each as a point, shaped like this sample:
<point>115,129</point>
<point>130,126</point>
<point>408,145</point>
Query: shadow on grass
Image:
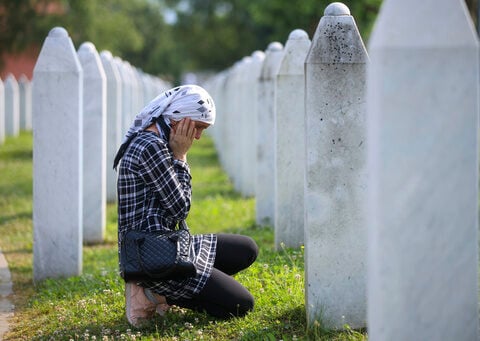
<point>18,154</point>
<point>282,326</point>
<point>180,325</point>
<point>22,215</point>
<point>18,251</point>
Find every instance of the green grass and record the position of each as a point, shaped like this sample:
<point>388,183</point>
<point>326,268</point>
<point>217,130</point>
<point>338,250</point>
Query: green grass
<point>91,306</point>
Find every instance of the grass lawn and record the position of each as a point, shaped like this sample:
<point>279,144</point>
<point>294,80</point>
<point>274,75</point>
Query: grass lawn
<point>91,306</point>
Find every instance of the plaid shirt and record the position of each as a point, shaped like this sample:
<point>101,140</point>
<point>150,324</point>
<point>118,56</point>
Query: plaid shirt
<point>154,193</point>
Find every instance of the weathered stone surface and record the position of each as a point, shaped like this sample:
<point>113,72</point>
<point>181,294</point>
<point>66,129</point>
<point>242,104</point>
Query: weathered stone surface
<point>289,141</point>
<point>335,173</point>
<point>25,98</point>
<point>264,189</point>
<point>57,159</point>
<point>12,106</point>
<point>423,88</point>
<point>94,144</point>
<point>114,120</point>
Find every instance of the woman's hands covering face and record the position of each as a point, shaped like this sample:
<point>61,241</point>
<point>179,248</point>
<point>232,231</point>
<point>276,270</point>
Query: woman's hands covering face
<point>181,137</point>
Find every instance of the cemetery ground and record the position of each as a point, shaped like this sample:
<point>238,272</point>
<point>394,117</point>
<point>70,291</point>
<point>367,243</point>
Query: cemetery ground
<point>91,306</point>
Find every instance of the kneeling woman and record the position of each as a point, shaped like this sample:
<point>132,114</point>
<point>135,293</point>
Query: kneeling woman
<point>154,193</point>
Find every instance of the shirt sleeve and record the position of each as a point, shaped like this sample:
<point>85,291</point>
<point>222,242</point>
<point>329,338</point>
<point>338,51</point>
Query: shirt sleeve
<point>169,179</point>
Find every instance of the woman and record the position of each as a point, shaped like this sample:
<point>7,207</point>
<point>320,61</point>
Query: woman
<point>154,193</point>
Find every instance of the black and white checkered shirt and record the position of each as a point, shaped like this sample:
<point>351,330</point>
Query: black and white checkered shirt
<point>154,193</point>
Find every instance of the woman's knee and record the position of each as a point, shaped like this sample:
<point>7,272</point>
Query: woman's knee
<point>247,304</point>
<point>252,248</point>
<point>235,243</point>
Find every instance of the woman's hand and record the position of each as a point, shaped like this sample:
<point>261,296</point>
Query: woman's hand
<point>181,137</point>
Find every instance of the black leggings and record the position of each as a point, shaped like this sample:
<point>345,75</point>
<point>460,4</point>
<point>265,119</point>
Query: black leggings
<point>222,296</point>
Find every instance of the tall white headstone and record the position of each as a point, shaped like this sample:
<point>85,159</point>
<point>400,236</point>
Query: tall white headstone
<point>57,159</point>
<point>94,144</point>
<point>114,120</point>
<point>335,173</point>
<point>265,187</point>
<point>25,96</point>
<point>289,141</point>
<point>12,106</point>
<point>243,124</point>
<point>252,75</point>
<point>234,136</point>
<point>423,92</point>
<point>136,88</point>
<point>217,91</point>
<point>2,113</point>
<point>126,95</point>
<point>228,139</point>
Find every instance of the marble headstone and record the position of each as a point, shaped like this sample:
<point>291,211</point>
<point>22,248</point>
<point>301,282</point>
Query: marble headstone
<point>289,141</point>
<point>335,173</point>
<point>423,89</point>
<point>57,159</point>
<point>94,144</point>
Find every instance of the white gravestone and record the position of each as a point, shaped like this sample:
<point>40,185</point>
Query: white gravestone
<point>147,94</point>
<point>217,91</point>
<point>233,137</point>
<point>12,106</point>
<point>252,76</point>
<point>126,96</point>
<point>25,96</point>
<point>423,89</point>
<point>94,144</point>
<point>229,137</point>
<point>264,188</point>
<point>57,159</point>
<point>2,113</point>
<point>136,88</point>
<point>133,86</point>
<point>335,173</point>
<point>243,124</point>
<point>289,141</point>
<point>114,120</point>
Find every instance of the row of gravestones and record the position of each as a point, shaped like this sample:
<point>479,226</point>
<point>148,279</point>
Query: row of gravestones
<point>15,106</point>
<point>370,161</point>
<point>83,103</point>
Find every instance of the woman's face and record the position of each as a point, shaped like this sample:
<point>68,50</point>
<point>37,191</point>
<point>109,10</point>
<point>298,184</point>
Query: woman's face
<point>199,127</point>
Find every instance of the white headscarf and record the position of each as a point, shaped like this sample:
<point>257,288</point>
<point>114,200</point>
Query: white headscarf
<point>183,101</point>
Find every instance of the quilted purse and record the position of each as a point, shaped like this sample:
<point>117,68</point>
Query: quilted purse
<point>156,255</point>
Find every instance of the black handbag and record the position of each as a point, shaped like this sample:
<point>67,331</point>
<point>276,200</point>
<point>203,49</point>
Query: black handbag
<point>156,255</point>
